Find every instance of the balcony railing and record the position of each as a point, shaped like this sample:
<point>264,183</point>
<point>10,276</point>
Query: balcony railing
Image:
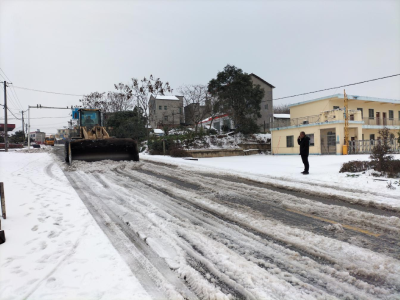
<point>296,121</point>
<point>381,121</point>
<point>366,146</point>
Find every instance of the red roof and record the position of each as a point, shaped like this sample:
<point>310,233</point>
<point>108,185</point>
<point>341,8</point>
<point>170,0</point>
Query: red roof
<point>10,127</point>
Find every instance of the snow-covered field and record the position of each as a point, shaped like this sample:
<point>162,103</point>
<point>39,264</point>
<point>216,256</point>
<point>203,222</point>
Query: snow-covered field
<point>285,170</point>
<point>54,248</point>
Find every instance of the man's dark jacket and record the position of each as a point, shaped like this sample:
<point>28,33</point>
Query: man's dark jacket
<point>304,145</point>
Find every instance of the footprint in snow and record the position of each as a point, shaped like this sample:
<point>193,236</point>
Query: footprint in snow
<point>34,228</point>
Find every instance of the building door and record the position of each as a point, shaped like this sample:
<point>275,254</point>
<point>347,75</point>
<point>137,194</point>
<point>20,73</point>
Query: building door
<point>328,142</point>
<point>378,122</point>
<point>384,118</point>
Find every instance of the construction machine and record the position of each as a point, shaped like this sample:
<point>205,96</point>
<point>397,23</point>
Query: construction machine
<point>90,141</point>
<point>49,141</point>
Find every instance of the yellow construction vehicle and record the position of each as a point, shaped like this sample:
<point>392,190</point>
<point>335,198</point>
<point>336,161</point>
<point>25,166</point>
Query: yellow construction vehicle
<point>89,140</point>
<point>49,141</point>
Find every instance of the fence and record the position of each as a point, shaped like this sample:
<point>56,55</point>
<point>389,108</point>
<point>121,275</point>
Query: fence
<point>366,146</point>
<point>381,121</point>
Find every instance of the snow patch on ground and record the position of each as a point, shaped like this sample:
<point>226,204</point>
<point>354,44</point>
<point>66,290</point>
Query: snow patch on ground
<point>54,248</point>
<point>285,171</point>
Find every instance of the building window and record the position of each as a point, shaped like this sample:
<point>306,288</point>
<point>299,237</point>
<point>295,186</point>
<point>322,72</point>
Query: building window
<point>362,113</point>
<point>266,106</point>
<point>165,108</point>
<point>399,115</point>
<point>160,107</point>
<point>371,113</point>
<point>372,136</point>
<point>311,136</point>
<point>180,110</point>
<point>165,118</point>
<point>391,114</point>
<point>290,141</point>
<point>336,107</point>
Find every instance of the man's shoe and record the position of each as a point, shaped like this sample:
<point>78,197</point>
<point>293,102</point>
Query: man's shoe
<point>305,173</point>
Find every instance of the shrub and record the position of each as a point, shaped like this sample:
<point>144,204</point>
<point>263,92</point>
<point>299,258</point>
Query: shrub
<point>177,152</point>
<point>394,168</point>
<point>381,152</point>
<point>355,166</point>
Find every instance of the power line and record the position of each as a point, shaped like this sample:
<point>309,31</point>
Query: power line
<point>12,89</point>
<point>65,94</point>
<point>337,87</point>
<point>42,118</point>
<point>13,114</point>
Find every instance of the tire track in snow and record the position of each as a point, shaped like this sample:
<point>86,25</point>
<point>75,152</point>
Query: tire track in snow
<point>311,255</point>
<point>386,241</point>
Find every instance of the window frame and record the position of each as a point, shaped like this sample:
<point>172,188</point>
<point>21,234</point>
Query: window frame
<point>165,107</point>
<point>371,116</point>
<point>391,112</point>
<point>336,107</point>
<point>166,118</point>
<point>160,107</point>
<point>290,140</point>
<point>313,140</point>
<point>372,135</point>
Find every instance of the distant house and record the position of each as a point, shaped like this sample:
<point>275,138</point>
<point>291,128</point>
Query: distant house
<point>323,121</point>
<point>281,120</point>
<point>218,122</point>
<point>195,112</point>
<point>63,133</point>
<point>166,111</point>
<point>38,136</point>
<point>267,109</point>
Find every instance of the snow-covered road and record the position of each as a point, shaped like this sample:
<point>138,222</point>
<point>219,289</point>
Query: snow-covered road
<point>190,234</point>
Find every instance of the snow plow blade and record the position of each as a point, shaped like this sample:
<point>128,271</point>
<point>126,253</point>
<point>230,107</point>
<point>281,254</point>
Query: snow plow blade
<point>102,149</point>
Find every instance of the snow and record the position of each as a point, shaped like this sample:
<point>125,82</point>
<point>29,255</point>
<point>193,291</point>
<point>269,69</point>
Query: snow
<point>158,131</point>
<point>282,116</point>
<point>201,234</point>
<point>285,170</point>
<point>167,98</point>
<point>54,249</point>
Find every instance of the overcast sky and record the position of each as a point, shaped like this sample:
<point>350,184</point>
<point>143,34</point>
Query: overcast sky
<point>79,47</point>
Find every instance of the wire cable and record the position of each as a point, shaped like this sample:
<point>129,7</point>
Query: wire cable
<point>338,87</point>
<point>12,89</point>
<point>57,93</point>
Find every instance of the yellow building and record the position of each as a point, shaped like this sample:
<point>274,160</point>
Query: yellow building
<point>323,121</point>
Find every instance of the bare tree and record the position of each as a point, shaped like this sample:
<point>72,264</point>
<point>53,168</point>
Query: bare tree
<point>146,87</point>
<point>196,103</point>
<point>95,100</point>
<point>214,107</point>
<point>282,109</point>
<point>121,100</point>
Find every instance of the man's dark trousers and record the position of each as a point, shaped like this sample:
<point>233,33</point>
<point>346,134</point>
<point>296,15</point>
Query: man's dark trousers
<point>304,158</point>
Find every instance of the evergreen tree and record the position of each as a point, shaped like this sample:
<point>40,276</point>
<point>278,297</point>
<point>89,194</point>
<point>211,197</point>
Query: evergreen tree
<point>127,124</point>
<point>238,97</point>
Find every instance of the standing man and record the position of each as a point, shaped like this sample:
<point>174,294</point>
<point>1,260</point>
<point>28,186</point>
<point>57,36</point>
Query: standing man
<point>304,142</point>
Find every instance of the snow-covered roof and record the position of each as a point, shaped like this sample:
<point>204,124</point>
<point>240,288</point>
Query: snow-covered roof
<point>158,130</point>
<point>170,97</point>
<point>282,116</point>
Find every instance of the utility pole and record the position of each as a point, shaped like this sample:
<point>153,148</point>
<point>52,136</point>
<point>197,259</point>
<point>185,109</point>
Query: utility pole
<point>5,118</point>
<point>346,123</point>
<point>29,127</point>
<point>23,126</point>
